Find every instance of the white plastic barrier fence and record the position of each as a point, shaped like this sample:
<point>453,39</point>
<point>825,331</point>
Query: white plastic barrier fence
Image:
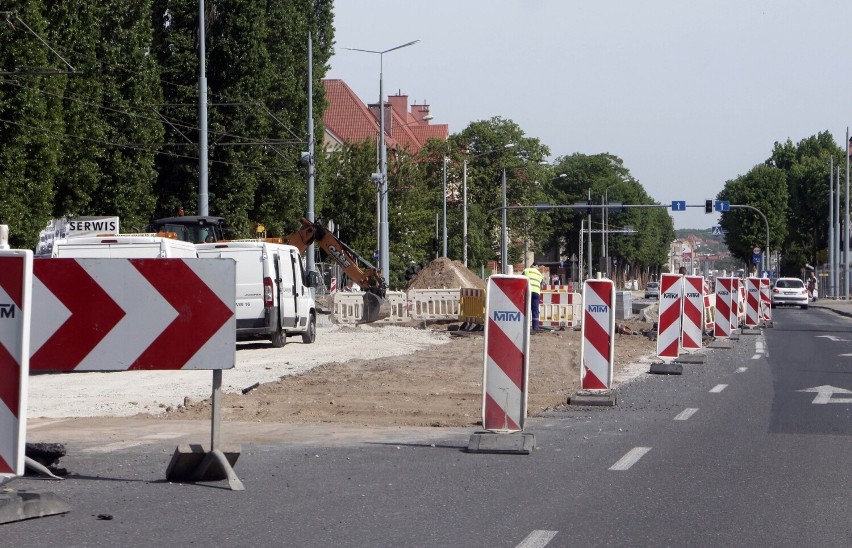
<point>434,304</point>
<point>559,308</point>
<point>398,306</point>
<point>348,306</point>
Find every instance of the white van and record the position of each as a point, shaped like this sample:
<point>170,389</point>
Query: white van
<point>124,246</point>
<point>274,297</point>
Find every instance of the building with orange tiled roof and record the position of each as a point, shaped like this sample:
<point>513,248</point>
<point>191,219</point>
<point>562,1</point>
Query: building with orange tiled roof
<point>348,120</point>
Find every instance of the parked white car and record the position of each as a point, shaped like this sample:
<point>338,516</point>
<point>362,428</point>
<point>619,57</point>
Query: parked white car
<point>790,291</point>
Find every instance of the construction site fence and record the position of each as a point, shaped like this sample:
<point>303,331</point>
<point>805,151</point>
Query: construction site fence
<point>558,306</point>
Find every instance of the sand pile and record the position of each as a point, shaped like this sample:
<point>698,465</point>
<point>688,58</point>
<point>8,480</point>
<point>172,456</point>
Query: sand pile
<point>444,273</point>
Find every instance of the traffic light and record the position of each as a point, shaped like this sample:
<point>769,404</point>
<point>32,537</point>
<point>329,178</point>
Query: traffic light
<point>708,206</point>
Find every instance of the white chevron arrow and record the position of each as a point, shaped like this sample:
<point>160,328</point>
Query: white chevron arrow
<point>824,394</point>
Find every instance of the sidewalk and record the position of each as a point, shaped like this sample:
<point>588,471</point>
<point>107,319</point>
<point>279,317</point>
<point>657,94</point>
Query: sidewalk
<point>842,307</point>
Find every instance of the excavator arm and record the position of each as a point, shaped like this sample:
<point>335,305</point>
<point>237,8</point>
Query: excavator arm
<point>370,279</point>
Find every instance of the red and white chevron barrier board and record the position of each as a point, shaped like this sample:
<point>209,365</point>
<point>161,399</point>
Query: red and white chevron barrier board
<point>16,268</point>
<point>724,295</point>
<point>507,344</point>
<point>598,333</point>
<point>752,291</point>
<point>765,300</point>
<point>668,324</point>
<point>125,314</point>
<point>332,288</point>
<point>693,312</point>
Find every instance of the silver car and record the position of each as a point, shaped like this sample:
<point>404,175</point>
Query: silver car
<point>652,290</point>
<point>790,291</point>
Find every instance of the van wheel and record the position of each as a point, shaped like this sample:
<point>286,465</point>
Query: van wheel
<point>279,339</point>
<point>310,335</point>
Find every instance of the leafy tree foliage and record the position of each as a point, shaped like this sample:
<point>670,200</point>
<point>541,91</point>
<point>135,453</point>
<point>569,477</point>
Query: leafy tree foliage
<point>30,124</point>
<point>806,166</point>
<point>492,147</point>
<point>582,178</point>
<point>256,70</point>
<point>764,188</point>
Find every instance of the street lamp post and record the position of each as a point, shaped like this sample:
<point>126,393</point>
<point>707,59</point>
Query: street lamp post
<point>445,207</point>
<point>384,239</point>
<point>504,240</point>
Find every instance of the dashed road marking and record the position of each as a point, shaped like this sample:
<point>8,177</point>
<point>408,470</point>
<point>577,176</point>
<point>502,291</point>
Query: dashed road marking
<point>718,388</point>
<point>537,539</point>
<point>686,413</point>
<point>742,369</point>
<point>756,357</point>
<point>628,460</point>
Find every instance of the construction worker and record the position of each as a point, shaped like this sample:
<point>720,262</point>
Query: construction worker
<point>536,278</point>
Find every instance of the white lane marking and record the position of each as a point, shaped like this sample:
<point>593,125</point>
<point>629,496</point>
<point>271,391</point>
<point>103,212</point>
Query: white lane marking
<point>742,369</point>
<point>758,347</point>
<point>831,338</point>
<point>628,460</point>
<point>537,539</point>
<point>756,357</point>
<point>825,392</point>
<point>718,388</point>
<point>686,413</point>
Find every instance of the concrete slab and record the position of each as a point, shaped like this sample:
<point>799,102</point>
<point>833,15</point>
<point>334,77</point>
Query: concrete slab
<point>725,344</point>
<point>692,358</point>
<point>21,505</point>
<point>599,398</point>
<point>663,368</point>
<point>519,443</point>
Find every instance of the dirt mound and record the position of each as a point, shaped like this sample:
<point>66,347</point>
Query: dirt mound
<point>444,273</point>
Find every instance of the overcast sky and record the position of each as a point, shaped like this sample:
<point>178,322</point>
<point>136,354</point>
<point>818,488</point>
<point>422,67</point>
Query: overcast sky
<point>688,94</point>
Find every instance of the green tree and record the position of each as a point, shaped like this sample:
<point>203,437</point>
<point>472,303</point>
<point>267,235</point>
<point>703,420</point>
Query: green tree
<point>806,166</point>
<point>764,188</point>
<point>484,143</point>
<point>582,178</point>
<point>30,124</point>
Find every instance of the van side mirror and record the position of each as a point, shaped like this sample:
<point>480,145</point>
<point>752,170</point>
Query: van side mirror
<point>313,279</point>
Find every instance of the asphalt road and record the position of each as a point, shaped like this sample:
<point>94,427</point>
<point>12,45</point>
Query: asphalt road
<point>734,452</point>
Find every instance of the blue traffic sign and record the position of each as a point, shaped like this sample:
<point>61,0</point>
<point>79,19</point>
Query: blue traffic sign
<point>755,259</point>
<point>716,231</point>
<point>722,205</point>
<point>678,206</point>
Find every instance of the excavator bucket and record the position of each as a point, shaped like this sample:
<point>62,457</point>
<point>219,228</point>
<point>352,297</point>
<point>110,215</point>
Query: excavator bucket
<point>375,308</point>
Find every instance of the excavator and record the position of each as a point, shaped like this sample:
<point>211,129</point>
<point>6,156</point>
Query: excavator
<point>371,281</point>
